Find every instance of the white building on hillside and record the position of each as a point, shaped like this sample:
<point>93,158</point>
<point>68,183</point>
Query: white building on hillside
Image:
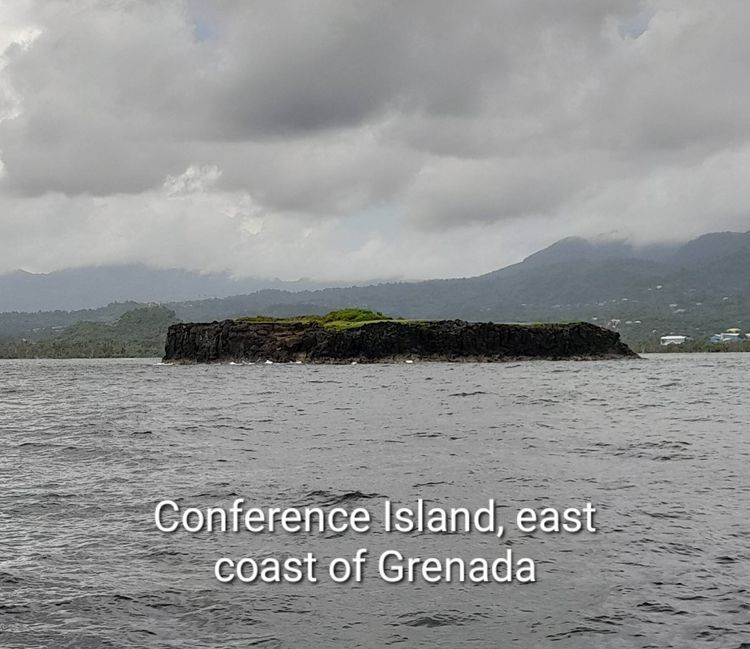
<point>673,340</point>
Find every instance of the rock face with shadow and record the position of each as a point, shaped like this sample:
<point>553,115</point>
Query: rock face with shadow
<point>389,341</point>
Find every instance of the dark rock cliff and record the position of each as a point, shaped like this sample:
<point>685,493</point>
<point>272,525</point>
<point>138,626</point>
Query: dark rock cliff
<point>443,340</point>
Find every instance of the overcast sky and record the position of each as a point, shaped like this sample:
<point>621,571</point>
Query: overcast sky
<point>365,138</point>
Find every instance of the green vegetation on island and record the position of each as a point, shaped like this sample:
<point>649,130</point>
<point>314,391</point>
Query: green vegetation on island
<point>348,318</point>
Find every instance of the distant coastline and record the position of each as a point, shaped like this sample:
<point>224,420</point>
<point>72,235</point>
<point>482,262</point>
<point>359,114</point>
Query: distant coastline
<point>694,290</point>
<point>141,332</point>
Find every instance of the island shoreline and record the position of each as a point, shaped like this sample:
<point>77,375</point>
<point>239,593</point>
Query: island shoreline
<point>389,341</point>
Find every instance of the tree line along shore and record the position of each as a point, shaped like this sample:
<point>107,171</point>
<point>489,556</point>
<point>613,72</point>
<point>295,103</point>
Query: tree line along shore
<point>141,332</point>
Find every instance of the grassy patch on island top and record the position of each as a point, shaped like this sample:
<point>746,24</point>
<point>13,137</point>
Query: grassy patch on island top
<point>351,318</point>
<point>348,318</point>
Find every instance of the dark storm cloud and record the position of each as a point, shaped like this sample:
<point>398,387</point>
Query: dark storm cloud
<point>347,63</point>
<point>311,125</point>
<point>112,93</point>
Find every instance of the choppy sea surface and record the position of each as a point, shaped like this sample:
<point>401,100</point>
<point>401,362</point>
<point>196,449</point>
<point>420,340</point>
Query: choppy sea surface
<point>661,447</point>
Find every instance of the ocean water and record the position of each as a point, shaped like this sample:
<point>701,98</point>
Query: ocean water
<point>661,447</point>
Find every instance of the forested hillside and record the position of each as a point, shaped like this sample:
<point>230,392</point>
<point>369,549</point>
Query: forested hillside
<point>697,289</point>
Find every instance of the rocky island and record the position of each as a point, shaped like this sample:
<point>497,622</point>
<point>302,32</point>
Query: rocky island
<point>355,335</point>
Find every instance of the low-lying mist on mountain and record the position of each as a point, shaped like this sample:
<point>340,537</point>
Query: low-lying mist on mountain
<point>695,289</point>
<point>92,287</point>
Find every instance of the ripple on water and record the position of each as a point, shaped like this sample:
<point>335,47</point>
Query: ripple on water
<point>660,447</point>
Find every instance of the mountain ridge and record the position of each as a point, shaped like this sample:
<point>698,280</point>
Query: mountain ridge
<point>95,286</point>
<point>697,288</point>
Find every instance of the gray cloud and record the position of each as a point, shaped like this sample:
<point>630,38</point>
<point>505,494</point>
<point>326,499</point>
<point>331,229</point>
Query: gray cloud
<point>363,131</point>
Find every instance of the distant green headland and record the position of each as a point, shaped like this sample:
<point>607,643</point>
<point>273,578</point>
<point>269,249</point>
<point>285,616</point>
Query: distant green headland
<point>128,330</point>
<point>362,336</point>
<point>695,291</point>
<point>140,332</point>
